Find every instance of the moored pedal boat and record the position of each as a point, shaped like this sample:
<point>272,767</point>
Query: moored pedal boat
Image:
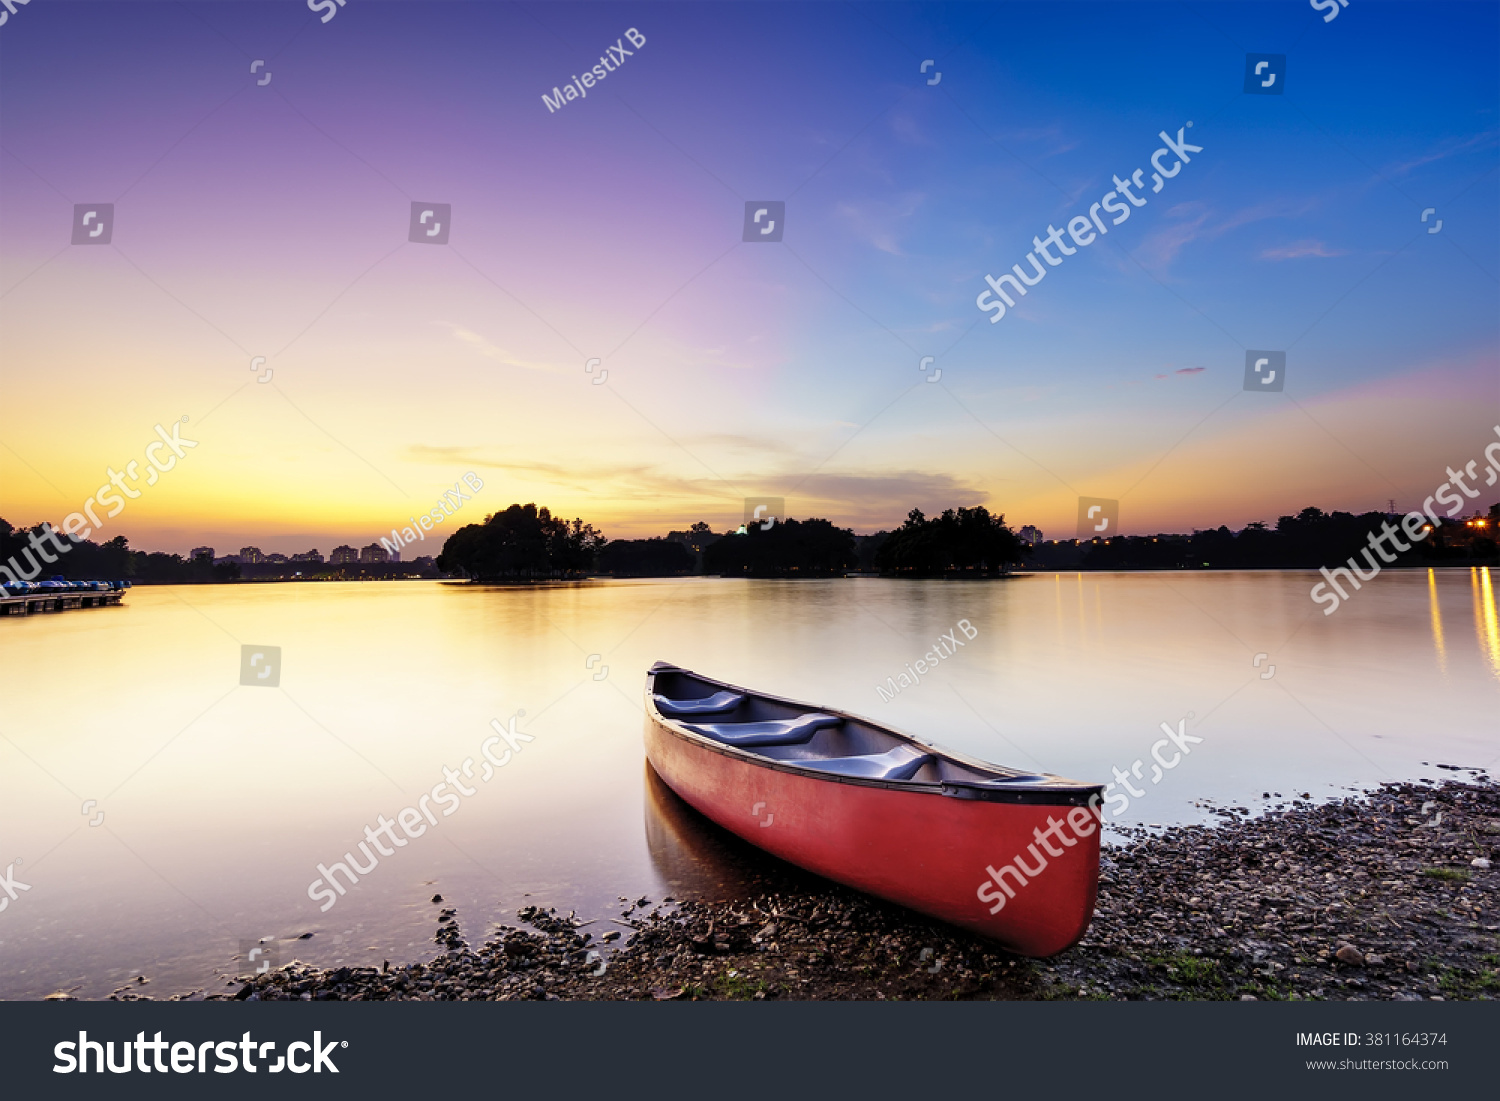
<point>1009,854</point>
<point>19,597</point>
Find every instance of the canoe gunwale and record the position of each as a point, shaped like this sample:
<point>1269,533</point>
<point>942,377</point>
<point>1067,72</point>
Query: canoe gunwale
<point>1060,792</point>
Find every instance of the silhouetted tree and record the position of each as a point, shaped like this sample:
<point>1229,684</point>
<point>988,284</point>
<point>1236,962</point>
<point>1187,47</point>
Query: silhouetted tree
<point>522,541</point>
<point>804,548</point>
<point>646,558</point>
<point>959,539</point>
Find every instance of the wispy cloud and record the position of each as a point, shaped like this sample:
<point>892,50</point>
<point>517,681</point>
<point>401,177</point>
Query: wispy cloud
<point>1195,221</point>
<point>877,223</point>
<point>1298,249</point>
<point>493,351</point>
<point>612,480</point>
<point>758,445</point>
<point>1449,148</point>
<point>1183,371</point>
<point>1053,139</point>
<point>870,501</point>
<point>906,128</point>
<point>862,500</point>
<point>1161,247</point>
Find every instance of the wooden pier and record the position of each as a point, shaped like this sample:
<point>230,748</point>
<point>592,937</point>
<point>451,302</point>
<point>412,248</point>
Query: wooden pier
<point>39,603</point>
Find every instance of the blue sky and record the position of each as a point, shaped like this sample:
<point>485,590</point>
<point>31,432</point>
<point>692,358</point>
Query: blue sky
<point>271,220</point>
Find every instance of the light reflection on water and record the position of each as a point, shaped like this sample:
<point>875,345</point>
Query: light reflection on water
<point>219,800</point>
<point>1437,621</point>
<point>1484,618</point>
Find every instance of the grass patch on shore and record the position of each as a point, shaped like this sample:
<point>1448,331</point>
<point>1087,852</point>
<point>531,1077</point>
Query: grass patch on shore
<point>1190,970</point>
<point>1457,983</point>
<point>1453,875</point>
<point>739,988</point>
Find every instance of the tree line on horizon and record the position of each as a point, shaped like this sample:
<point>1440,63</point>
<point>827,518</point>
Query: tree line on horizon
<point>1308,540</point>
<point>526,542</point>
<point>956,542</point>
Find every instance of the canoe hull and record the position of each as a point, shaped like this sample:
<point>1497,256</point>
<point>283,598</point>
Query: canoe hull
<point>929,852</point>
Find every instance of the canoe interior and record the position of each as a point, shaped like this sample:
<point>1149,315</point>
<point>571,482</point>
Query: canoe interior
<point>849,737</point>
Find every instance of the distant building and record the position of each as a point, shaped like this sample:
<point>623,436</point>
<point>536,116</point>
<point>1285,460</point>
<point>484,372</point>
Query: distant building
<point>374,553</point>
<point>343,555</point>
<point>251,555</point>
<point>198,552</point>
<point>309,556</point>
<point>696,540</point>
<point>1030,536</point>
<point>424,563</point>
<point>1475,531</point>
<point>276,559</point>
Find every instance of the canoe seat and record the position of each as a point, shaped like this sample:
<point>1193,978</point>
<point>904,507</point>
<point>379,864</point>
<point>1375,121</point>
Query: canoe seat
<point>771,732</point>
<point>1019,778</point>
<point>719,701</point>
<point>901,763</point>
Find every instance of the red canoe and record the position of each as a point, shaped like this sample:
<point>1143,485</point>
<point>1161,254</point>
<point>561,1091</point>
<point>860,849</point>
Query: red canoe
<point>1011,855</point>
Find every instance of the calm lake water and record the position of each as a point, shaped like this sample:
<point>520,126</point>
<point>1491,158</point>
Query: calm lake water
<point>219,800</point>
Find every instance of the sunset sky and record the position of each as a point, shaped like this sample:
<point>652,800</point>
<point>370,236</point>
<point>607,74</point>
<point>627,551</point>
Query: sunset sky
<point>271,220</point>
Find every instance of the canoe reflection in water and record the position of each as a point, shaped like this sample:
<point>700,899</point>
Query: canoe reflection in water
<point>698,859</point>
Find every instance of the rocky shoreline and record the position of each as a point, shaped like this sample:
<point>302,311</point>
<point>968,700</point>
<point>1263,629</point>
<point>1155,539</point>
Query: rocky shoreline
<point>1388,895</point>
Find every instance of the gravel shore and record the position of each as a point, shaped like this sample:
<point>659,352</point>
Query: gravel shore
<point>1389,895</point>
